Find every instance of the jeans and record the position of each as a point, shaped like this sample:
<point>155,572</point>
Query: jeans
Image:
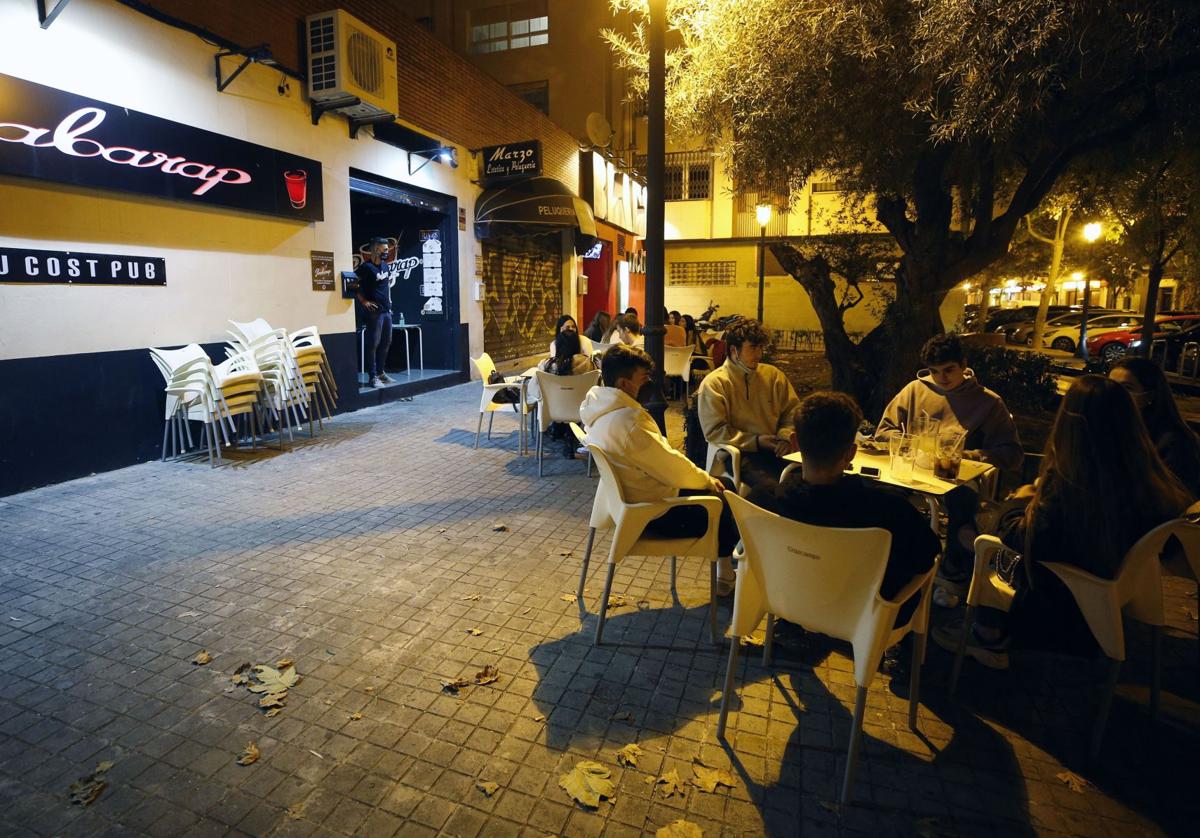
<point>379,341</point>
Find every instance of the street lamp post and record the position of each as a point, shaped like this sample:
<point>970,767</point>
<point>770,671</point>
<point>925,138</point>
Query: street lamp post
<point>1091,232</point>
<point>655,330</point>
<point>763,213</point>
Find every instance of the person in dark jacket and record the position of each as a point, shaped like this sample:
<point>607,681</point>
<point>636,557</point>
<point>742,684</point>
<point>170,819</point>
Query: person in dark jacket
<point>820,493</point>
<point>1174,441</point>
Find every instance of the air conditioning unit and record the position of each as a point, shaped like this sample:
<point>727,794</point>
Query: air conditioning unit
<point>348,60</point>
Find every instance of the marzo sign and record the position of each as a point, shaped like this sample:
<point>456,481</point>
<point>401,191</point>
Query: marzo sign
<point>69,266</point>
<point>511,160</point>
<point>52,135</point>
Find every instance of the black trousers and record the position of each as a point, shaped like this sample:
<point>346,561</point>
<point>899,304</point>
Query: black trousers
<point>692,521</point>
<point>960,504</point>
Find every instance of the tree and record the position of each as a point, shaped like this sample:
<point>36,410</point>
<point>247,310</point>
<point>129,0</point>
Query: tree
<point>958,118</point>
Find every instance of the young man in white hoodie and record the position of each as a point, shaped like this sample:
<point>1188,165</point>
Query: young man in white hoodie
<point>646,465</point>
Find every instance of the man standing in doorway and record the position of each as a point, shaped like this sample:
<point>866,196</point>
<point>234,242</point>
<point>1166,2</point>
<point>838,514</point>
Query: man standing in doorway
<point>375,278</point>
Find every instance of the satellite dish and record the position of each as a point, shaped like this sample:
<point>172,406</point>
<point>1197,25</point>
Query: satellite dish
<point>599,132</point>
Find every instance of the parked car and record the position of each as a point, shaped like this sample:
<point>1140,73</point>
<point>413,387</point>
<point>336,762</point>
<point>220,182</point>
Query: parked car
<point>1174,346</point>
<point>1022,332</point>
<point>1000,318</point>
<point>1066,338</point>
<point>1111,347</point>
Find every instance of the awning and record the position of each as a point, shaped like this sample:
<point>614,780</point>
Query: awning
<point>532,206</point>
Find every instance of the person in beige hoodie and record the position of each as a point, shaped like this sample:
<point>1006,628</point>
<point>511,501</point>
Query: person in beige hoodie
<point>749,405</point>
<point>644,463</point>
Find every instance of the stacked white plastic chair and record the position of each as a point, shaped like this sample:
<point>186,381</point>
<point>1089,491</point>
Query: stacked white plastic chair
<point>316,371</point>
<point>286,396</point>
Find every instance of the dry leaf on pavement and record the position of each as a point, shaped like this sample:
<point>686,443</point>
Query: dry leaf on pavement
<point>679,829</point>
<point>587,783</point>
<point>239,676</point>
<point>539,717</point>
<point>354,717</point>
<point>488,675</point>
<point>629,755</point>
<point>284,663</point>
<point>671,783</point>
<point>624,716</point>
<point>368,689</point>
<point>273,712</point>
<point>474,632</point>
<point>1073,781</point>
<point>487,787</point>
<point>708,778</point>
<point>85,790</point>
<point>568,598</point>
<point>526,611</point>
<point>202,657</point>
<point>498,527</point>
<point>470,598</point>
<point>249,754</point>
<point>452,687</point>
<point>616,601</point>
<point>268,679</point>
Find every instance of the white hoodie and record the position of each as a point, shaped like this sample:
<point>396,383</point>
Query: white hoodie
<point>644,462</point>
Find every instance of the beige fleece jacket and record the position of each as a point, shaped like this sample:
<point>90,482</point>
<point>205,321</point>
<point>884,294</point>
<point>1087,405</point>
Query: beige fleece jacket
<point>737,405</point>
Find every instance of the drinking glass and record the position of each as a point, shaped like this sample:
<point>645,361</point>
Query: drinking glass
<point>949,455</point>
<point>901,450</point>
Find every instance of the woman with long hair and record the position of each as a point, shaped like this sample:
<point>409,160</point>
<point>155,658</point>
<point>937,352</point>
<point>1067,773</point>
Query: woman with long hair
<point>1101,487</point>
<point>598,328</point>
<point>1175,442</point>
<point>566,323</point>
<point>566,359</point>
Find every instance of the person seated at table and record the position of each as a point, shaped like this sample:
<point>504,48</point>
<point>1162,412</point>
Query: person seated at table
<point>694,339</point>
<point>567,359</point>
<point>675,334</point>
<point>632,310</point>
<point>820,493</point>
<point>599,326</point>
<point>948,392</point>
<point>1076,515</point>
<point>749,405</point>
<point>644,463</point>
<point>567,323</point>
<point>1174,441</point>
<point>628,330</point>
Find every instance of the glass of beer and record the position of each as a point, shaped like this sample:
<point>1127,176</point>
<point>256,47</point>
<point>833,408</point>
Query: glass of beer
<point>949,455</point>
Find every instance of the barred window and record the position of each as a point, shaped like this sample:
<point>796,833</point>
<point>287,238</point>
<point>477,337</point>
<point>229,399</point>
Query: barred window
<point>826,186</point>
<point>702,273</point>
<point>687,176</point>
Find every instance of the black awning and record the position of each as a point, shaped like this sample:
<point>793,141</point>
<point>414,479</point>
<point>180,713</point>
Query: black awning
<point>532,206</point>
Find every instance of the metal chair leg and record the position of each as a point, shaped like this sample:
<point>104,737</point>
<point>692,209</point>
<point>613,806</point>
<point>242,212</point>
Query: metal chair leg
<point>587,555</point>
<point>728,689</point>
<point>539,454</point>
<point>612,568</point>
<point>167,427</point>
<point>674,593</point>
<point>860,706</point>
<point>914,678</point>
<point>1155,671</point>
<point>479,429</point>
<point>769,642</point>
<point>491,416</point>
<point>712,604</point>
<point>1114,672</point>
<point>968,621</point>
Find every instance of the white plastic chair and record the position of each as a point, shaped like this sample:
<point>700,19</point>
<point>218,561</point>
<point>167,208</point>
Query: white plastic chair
<point>825,579</point>
<point>733,459</point>
<point>628,522</point>
<point>581,438</point>
<point>598,350</point>
<point>561,396</point>
<point>677,363</point>
<point>485,367</point>
<point>987,589</point>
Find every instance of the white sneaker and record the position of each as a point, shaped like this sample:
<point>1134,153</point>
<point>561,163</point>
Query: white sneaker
<point>386,379</point>
<point>376,383</point>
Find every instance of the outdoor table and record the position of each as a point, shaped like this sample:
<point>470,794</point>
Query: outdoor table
<point>405,327</point>
<point>521,382</point>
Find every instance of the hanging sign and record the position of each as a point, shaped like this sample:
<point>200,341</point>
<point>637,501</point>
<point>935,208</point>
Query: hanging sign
<point>57,136</point>
<point>322,270</point>
<point>75,268</point>
<point>512,160</point>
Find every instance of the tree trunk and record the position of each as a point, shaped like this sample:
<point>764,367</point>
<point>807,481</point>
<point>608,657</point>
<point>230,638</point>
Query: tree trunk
<point>1056,253</point>
<point>1153,280</point>
<point>985,300</point>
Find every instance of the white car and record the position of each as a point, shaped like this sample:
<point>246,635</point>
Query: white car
<point>1066,338</point>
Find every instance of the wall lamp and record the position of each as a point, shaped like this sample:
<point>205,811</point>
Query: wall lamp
<point>419,145</point>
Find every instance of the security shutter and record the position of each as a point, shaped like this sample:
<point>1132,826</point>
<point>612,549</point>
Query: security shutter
<point>523,282</point>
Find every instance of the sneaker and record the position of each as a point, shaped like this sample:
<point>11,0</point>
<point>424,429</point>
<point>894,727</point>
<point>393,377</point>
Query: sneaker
<point>376,383</point>
<point>386,379</point>
<point>991,653</point>
<point>952,578</point>
<point>943,598</point>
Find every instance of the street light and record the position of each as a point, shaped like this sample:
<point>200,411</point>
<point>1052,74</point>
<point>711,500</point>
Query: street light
<point>1091,232</point>
<point>763,213</point>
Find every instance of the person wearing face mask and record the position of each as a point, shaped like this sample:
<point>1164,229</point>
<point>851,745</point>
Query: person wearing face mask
<point>567,323</point>
<point>749,405</point>
<point>375,280</point>
<point>949,393</point>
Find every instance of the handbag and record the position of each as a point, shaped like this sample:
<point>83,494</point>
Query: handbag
<point>509,395</point>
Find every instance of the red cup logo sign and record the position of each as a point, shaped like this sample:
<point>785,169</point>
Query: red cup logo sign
<point>297,187</point>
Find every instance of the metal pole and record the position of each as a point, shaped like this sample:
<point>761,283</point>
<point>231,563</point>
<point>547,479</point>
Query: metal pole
<point>1083,323</point>
<point>762,253</point>
<point>656,404</point>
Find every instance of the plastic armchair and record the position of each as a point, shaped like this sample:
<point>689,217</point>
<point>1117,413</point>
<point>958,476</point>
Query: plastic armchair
<point>677,363</point>
<point>485,367</point>
<point>598,350</point>
<point>734,459</point>
<point>581,438</point>
<point>561,396</point>
<point>628,521</point>
<point>987,589</point>
<point>825,579</point>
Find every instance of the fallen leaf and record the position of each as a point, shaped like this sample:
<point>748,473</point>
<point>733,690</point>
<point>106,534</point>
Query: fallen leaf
<point>1073,781</point>
<point>272,700</point>
<point>624,716</point>
<point>296,811</point>
<point>487,787</point>
<point>671,783</point>
<point>452,687</point>
<point>368,689</point>
<point>566,553</point>
<point>708,778</point>
<point>85,790</point>
<point>526,611</point>
<point>470,598</point>
<point>629,755</point>
<point>680,829</point>
<point>616,601</point>
<point>488,675</point>
<point>273,712</point>
<point>587,783</point>
<point>202,657</point>
<point>284,663</point>
<point>539,718</point>
<point>240,679</point>
<point>499,527</point>
<point>753,640</point>
<point>314,753</point>
<point>568,598</point>
<point>441,529</point>
<point>474,632</point>
<point>249,755</point>
<point>268,679</point>
<point>354,717</point>
<point>187,614</point>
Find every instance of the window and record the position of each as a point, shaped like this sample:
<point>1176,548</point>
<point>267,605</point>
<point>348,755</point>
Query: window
<point>536,93</point>
<point>825,186</point>
<point>508,26</point>
<point>687,177</point>
<point>702,273</point>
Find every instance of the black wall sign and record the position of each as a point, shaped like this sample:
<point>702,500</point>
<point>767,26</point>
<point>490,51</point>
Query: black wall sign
<point>69,266</point>
<point>53,135</point>
<point>511,160</point>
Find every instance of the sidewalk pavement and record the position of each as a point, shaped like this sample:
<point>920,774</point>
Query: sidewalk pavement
<point>387,556</point>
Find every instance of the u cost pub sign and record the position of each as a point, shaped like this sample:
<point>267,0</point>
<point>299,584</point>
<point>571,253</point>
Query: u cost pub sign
<point>53,135</point>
